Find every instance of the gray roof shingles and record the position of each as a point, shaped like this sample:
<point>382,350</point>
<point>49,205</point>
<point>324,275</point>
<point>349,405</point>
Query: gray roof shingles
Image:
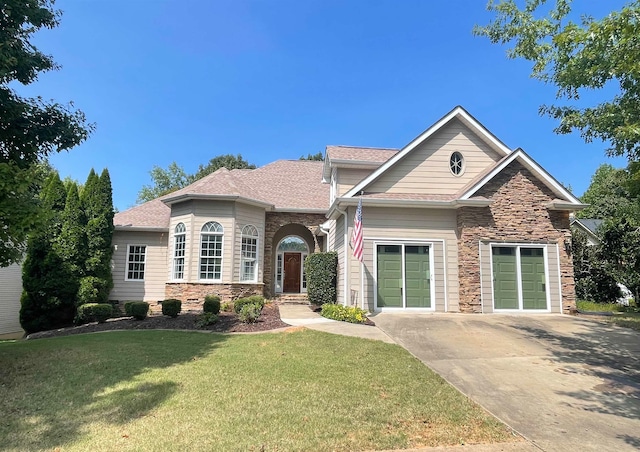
<point>284,184</point>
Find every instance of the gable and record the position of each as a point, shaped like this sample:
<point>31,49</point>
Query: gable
<point>425,170</point>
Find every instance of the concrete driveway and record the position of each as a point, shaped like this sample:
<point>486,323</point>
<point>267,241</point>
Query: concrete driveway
<point>564,383</point>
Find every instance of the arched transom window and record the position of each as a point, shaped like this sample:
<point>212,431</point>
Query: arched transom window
<point>249,264</point>
<point>179,249</point>
<point>211,251</point>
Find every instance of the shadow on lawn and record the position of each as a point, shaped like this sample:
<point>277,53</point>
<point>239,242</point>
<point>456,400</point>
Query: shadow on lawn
<point>609,353</point>
<point>53,390</point>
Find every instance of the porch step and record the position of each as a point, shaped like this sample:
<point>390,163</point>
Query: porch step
<point>293,298</point>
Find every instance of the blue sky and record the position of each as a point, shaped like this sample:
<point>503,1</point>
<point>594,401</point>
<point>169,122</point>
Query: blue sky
<point>188,80</point>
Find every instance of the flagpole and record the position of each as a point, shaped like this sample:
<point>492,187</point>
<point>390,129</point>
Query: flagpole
<point>362,262</point>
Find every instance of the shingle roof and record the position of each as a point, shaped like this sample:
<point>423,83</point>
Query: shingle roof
<point>284,184</point>
<point>376,155</point>
<point>592,224</point>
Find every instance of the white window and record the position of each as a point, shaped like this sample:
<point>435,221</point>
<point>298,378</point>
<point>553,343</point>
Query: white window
<point>211,251</point>
<point>136,259</point>
<point>456,163</point>
<point>179,249</point>
<point>249,263</point>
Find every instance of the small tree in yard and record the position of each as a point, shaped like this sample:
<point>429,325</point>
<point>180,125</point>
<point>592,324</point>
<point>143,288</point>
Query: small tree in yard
<point>322,272</point>
<point>620,250</point>
<point>593,280</point>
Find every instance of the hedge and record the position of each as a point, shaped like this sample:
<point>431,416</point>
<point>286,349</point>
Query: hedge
<point>253,299</point>
<point>211,304</point>
<point>137,309</point>
<point>171,307</point>
<point>322,272</point>
<point>94,312</point>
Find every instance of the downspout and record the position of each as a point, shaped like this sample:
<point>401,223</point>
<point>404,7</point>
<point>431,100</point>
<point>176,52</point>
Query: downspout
<point>346,245</point>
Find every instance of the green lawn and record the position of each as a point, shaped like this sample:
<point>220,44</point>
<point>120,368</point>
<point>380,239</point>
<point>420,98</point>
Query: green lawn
<point>159,390</point>
<point>622,315</point>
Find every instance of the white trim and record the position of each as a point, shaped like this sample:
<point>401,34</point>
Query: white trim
<point>257,251</point>
<point>532,166</point>
<point>481,279</point>
<point>126,260</point>
<point>446,281</point>
<point>459,113</point>
<point>201,196</point>
<point>432,272</point>
<point>545,257</point>
<point>559,279</point>
<point>463,163</point>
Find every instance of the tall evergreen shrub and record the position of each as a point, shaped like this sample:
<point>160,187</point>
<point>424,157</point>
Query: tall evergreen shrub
<point>322,271</point>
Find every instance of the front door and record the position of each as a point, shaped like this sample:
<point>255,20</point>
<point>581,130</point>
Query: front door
<point>291,283</point>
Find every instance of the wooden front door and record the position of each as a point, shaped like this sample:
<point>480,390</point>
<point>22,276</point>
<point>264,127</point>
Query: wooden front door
<point>292,272</point>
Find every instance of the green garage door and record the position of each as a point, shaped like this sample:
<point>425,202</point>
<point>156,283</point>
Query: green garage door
<point>507,275</point>
<point>505,278</point>
<point>417,275</point>
<point>534,294</point>
<point>389,276</point>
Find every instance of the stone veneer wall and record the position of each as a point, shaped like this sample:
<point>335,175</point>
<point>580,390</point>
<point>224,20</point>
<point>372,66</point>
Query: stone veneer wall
<point>273,223</point>
<point>518,214</point>
<point>192,294</point>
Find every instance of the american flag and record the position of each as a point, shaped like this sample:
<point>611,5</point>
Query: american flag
<point>356,237</point>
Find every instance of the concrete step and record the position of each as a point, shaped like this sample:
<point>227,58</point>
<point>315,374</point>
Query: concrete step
<point>294,298</point>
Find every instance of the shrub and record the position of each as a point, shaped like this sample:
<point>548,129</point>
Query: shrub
<point>171,307</point>
<point>137,309</point>
<point>206,319</point>
<point>250,313</point>
<point>92,290</point>
<point>211,304</point>
<point>322,271</point>
<point>94,312</point>
<point>352,314</point>
<point>226,306</point>
<point>241,302</point>
<point>40,313</point>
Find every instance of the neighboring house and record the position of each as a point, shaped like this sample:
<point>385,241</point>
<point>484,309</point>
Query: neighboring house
<point>10,292</point>
<point>453,221</point>
<point>589,226</point>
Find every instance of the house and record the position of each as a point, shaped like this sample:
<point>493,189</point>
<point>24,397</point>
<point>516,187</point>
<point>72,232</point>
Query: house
<point>10,292</point>
<point>588,226</point>
<point>454,221</point>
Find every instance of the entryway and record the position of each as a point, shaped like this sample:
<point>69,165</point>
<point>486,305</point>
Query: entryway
<point>290,274</point>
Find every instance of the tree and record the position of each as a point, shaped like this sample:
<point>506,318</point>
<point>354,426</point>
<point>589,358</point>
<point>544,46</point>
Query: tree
<point>317,157</point>
<point>228,161</point>
<point>164,181</point>
<point>608,195</point>
<point>98,208</point>
<point>593,279</point>
<point>174,177</point>
<point>620,250</point>
<point>49,290</point>
<point>577,58</point>
<point>71,243</point>
<point>30,129</point>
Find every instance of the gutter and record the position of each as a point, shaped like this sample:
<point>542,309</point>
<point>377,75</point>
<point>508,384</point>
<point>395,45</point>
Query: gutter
<point>346,239</point>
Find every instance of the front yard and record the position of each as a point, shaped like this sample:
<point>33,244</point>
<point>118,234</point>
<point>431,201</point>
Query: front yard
<point>161,390</point>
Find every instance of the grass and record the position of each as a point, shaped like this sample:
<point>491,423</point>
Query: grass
<point>625,316</point>
<point>161,390</point>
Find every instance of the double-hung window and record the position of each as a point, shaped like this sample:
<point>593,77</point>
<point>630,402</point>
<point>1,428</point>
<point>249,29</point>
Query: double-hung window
<point>211,251</point>
<point>136,260</point>
<point>249,264</point>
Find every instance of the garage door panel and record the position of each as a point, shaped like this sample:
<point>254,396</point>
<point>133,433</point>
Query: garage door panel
<point>417,277</point>
<point>505,278</point>
<point>389,276</point>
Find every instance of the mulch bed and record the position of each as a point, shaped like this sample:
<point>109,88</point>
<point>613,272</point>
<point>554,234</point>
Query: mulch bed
<point>227,323</point>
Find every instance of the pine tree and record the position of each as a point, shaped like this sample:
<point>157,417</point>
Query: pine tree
<point>71,244</point>
<point>98,207</point>
<point>48,298</point>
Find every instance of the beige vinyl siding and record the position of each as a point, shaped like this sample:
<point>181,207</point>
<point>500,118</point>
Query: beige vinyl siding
<point>348,177</point>
<point>555,299</point>
<point>340,247</point>
<point>222,212</point>
<point>155,271</point>
<point>246,215</point>
<point>10,292</point>
<point>434,226</point>
<point>331,236</point>
<point>425,169</point>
